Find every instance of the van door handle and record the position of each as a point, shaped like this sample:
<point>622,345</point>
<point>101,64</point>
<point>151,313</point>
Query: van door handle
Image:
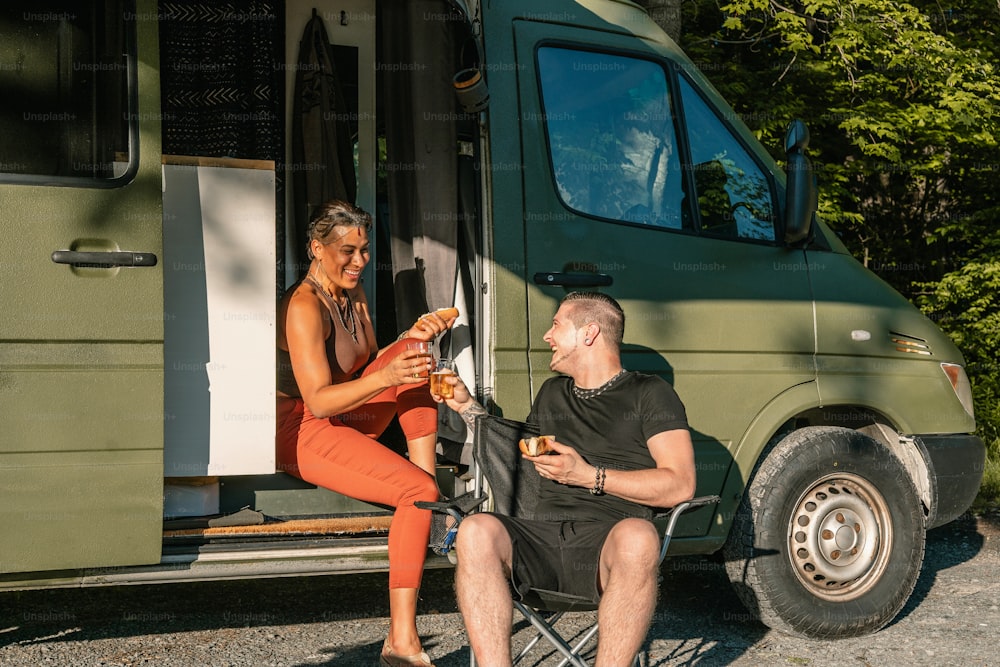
<point>577,279</point>
<point>103,260</point>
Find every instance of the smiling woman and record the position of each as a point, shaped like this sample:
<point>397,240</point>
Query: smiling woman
<point>337,393</point>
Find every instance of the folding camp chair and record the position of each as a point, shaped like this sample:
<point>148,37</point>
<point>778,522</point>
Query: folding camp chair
<point>512,485</point>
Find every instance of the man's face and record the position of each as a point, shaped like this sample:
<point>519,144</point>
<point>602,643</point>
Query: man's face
<point>564,339</point>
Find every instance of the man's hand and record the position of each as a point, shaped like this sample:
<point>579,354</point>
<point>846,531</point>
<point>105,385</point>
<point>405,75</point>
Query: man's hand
<point>460,399</point>
<point>565,466</point>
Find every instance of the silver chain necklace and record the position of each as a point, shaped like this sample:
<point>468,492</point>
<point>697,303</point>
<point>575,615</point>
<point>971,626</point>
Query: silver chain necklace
<point>597,391</point>
<point>353,331</point>
<point>350,311</point>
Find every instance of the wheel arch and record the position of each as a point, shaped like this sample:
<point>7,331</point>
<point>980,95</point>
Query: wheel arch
<point>799,407</point>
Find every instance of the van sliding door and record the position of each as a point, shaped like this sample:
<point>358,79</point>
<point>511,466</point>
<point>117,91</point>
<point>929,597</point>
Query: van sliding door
<point>81,336</point>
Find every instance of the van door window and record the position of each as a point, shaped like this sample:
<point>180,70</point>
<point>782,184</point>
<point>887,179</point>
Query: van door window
<point>611,136</point>
<point>734,196</point>
<point>64,75</point>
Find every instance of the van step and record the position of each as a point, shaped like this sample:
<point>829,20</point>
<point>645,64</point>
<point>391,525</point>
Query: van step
<point>344,525</point>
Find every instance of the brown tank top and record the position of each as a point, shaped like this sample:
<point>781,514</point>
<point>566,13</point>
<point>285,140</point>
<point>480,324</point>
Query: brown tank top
<point>346,356</point>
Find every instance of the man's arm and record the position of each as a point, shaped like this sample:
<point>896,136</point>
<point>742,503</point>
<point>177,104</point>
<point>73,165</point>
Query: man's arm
<point>672,480</point>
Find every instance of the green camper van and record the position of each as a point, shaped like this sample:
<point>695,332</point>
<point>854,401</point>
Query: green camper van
<point>155,161</point>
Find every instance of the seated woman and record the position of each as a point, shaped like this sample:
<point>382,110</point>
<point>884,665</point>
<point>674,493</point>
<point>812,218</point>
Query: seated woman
<point>337,392</point>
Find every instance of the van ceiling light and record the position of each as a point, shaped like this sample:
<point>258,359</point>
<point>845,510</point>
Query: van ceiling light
<point>960,383</point>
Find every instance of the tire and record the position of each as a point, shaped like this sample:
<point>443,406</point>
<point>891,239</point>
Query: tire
<point>828,540</point>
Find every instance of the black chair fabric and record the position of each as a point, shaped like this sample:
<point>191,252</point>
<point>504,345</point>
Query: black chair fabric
<point>513,481</point>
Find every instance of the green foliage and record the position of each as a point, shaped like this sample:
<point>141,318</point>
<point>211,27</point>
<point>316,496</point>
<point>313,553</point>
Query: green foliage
<point>902,101</point>
<point>903,105</point>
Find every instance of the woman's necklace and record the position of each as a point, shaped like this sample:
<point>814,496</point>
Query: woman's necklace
<point>597,391</point>
<point>349,308</point>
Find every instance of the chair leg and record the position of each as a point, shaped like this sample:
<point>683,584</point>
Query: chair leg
<point>552,620</point>
<point>580,644</point>
<point>554,638</point>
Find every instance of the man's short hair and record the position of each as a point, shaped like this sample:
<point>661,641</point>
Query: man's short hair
<point>597,307</point>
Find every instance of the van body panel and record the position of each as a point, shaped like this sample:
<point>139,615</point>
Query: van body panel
<point>885,355</point>
<point>81,379</point>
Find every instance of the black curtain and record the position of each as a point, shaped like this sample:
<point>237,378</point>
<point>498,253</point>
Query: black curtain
<point>220,78</point>
<point>418,62</point>
<point>432,178</point>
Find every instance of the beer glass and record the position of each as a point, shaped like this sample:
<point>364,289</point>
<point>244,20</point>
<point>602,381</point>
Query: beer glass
<point>424,348</point>
<point>439,387</point>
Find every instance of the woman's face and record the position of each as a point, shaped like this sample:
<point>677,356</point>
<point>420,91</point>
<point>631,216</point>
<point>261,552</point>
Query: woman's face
<point>344,257</point>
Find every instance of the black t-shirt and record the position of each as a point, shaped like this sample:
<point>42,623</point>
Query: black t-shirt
<point>609,429</point>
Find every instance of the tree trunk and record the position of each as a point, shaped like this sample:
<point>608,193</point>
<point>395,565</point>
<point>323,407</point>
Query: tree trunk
<point>666,14</point>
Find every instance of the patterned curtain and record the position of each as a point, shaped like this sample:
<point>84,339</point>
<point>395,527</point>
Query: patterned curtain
<point>221,79</point>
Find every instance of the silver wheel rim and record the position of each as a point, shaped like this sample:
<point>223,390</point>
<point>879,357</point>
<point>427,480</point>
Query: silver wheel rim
<point>840,537</point>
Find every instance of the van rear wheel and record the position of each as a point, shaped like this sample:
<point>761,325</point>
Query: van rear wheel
<point>828,540</point>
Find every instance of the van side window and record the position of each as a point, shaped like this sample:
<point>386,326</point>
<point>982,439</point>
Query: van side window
<point>611,136</point>
<point>64,85</point>
<point>733,194</point>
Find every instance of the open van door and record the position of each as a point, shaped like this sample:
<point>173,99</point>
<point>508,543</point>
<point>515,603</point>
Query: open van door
<point>81,335</point>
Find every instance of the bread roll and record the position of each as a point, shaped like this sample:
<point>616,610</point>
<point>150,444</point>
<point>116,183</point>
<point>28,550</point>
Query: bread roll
<point>445,313</point>
<point>536,446</point>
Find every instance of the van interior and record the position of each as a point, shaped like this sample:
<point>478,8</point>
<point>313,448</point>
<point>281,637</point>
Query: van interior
<point>266,113</point>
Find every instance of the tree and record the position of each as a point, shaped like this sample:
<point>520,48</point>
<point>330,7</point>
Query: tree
<point>903,103</point>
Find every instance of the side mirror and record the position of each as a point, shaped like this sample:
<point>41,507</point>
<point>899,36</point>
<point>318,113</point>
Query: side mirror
<point>800,193</point>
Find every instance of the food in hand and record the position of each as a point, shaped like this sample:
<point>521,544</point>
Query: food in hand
<point>445,313</point>
<point>536,446</point>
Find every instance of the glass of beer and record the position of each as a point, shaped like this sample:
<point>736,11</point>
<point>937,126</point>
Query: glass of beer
<point>439,387</point>
<point>424,348</point>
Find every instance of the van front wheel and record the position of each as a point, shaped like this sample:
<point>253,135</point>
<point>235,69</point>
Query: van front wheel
<point>828,540</point>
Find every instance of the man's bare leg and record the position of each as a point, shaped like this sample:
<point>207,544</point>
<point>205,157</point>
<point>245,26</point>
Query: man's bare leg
<point>484,554</point>
<point>628,567</point>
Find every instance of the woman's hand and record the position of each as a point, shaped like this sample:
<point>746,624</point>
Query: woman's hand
<point>430,326</point>
<point>409,367</point>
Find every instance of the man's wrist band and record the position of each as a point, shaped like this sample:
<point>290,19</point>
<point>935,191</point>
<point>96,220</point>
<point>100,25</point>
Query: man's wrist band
<point>599,476</point>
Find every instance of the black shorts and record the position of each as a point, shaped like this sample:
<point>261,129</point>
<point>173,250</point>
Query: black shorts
<point>561,556</point>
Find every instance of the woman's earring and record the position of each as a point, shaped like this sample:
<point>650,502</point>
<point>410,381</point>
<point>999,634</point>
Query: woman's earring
<point>587,341</point>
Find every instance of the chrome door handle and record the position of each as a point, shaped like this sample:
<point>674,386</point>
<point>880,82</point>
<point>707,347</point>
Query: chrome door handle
<point>103,260</point>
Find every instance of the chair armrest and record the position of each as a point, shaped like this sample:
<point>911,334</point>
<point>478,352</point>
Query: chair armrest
<point>462,504</point>
<point>675,512</point>
<point>457,508</point>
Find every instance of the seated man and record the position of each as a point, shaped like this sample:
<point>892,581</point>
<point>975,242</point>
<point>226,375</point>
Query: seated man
<point>622,447</point>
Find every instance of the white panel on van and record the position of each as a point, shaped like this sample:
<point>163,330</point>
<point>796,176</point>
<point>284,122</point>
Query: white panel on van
<point>219,323</point>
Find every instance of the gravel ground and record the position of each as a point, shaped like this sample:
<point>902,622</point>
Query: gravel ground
<point>953,618</point>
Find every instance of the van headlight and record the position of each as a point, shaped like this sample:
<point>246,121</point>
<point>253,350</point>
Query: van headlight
<point>960,383</point>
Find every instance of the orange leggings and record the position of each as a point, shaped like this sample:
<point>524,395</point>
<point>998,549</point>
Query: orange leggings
<point>342,454</point>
